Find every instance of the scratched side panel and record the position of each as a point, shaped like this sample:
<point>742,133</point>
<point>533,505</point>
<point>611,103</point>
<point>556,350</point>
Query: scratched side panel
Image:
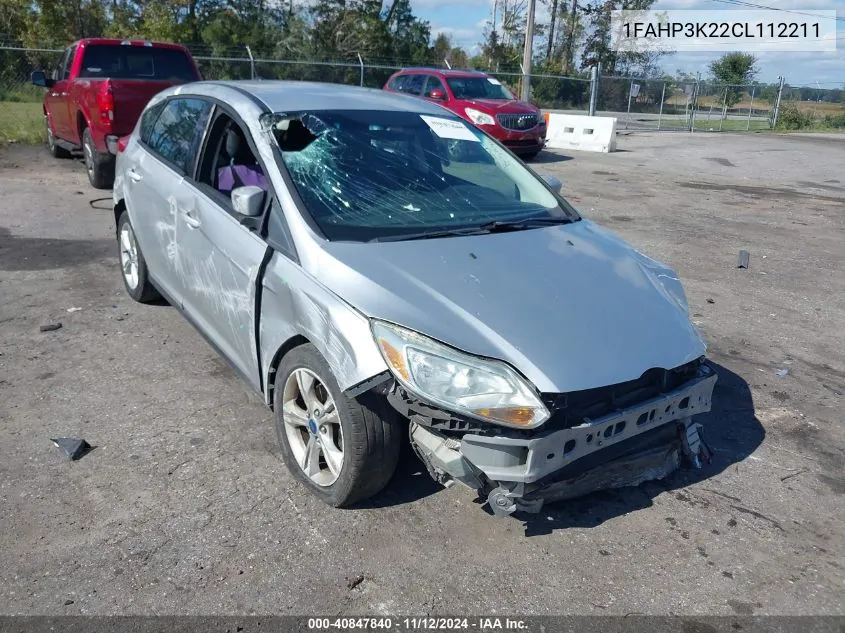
<point>293,303</point>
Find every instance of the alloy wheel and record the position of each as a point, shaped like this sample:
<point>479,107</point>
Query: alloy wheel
<point>312,426</point>
<point>129,256</point>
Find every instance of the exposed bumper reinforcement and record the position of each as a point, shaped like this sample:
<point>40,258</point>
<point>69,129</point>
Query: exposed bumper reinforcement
<point>643,442</point>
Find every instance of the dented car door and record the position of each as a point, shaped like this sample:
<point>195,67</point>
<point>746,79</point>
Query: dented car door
<point>220,256</point>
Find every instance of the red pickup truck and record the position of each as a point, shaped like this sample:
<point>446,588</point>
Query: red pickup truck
<point>97,92</point>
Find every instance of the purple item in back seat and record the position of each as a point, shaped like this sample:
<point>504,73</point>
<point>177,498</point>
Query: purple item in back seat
<point>234,176</point>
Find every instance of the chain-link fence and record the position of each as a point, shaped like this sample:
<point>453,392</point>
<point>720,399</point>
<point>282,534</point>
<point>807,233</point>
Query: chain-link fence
<point>21,112</point>
<point>819,105</point>
<point>638,104</point>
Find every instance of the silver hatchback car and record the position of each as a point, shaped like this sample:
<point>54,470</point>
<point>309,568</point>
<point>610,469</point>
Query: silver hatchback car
<point>373,265</point>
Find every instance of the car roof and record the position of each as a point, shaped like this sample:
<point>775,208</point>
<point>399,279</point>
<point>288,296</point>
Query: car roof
<point>446,72</point>
<point>100,41</point>
<point>299,96</point>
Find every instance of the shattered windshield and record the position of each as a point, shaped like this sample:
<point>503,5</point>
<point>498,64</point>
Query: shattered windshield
<point>370,175</point>
<point>478,88</point>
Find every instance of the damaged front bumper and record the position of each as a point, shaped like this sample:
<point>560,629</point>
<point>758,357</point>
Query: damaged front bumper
<point>522,470</point>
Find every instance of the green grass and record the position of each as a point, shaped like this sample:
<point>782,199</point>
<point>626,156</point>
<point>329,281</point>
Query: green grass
<point>21,122</point>
<point>730,125</point>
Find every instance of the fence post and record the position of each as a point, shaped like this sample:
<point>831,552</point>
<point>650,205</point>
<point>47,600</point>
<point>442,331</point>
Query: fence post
<point>251,63</point>
<point>662,98</point>
<point>724,109</point>
<point>594,92</point>
<point>750,108</point>
<point>777,104</point>
<point>695,91</point>
<point>361,62</point>
<point>630,93</point>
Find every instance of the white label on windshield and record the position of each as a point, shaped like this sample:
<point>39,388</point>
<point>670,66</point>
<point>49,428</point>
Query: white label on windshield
<point>495,82</point>
<point>447,128</point>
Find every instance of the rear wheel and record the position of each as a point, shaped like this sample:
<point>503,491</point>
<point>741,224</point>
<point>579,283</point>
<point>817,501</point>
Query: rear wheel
<point>100,167</point>
<point>342,449</point>
<point>133,267</point>
<point>55,150</point>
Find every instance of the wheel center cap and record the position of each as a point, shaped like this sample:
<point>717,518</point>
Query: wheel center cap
<point>312,426</point>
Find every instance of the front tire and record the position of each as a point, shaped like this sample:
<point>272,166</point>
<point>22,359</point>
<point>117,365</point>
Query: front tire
<point>100,167</point>
<point>342,449</point>
<point>55,150</point>
<point>133,267</point>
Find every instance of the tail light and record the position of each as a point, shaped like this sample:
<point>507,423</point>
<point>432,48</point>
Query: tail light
<point>105,103</point>
<point>122,142</point>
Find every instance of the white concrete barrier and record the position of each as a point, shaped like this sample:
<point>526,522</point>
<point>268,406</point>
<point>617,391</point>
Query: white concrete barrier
<point>585,133</point>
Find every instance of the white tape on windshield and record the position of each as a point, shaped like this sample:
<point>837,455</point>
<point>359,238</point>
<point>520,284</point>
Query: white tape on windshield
<point>449,128</point>
<point>495,82</point>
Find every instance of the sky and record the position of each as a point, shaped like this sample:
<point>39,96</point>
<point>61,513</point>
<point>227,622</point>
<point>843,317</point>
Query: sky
<point>465,20</point>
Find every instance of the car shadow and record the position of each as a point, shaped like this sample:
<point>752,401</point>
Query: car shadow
<point>411,482</point>
<point>730,429</point>
<point>547,157</point>
<point>732,432</point>
<point>22,253</point>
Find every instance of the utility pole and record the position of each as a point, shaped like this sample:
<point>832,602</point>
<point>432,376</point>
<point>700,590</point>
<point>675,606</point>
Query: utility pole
<point>528,52</point>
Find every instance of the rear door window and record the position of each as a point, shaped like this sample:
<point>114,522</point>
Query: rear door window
<point>177,132</point>
<point>117,61</point>
<point>148,120</point>
<point>414,84</point>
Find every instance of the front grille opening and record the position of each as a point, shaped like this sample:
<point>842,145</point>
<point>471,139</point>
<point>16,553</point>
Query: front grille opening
<point>575,408</point>
<point>519,122</point>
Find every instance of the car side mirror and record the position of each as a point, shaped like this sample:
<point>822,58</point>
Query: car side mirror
<point>438,94</point>
<point>39,79</point>
<point>553,182</point>
<point>248,201</point>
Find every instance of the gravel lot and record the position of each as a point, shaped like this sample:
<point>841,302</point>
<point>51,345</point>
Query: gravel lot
<point>184,507</point>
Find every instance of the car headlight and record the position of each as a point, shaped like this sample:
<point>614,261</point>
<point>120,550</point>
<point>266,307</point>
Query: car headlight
<point>479,118</point>
<point>489,390</point>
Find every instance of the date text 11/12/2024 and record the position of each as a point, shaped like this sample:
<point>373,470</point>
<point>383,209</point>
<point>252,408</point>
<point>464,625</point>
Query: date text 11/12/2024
<point>482,624</point>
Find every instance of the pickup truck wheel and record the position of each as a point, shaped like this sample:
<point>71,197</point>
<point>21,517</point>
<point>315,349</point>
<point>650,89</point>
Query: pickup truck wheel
<point>132,264</point>
<point>55,150</point>
<point>342,449</point>
<point>100,167</point>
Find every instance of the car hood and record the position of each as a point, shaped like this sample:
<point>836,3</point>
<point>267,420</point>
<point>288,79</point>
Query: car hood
<point>502,106</point>
<point>572,306</point>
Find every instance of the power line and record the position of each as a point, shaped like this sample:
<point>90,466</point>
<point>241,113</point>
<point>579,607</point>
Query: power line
<point>761,6</point>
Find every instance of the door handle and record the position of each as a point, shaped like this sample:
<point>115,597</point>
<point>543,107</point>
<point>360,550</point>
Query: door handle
<point>192,221</point>
<point>134,176</point>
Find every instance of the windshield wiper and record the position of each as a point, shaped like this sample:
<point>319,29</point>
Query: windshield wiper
<point>497,226</point>
<point>520,225</point>
<point>431,234</point>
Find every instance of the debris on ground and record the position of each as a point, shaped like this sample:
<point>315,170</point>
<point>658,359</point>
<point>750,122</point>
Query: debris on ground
<point>709,300</point>
<point>74,309</point>
<point>783,372</point>
<point>743,259</point>
<point>50,327</point>
<point>74,448</point>
<point>351,583</point>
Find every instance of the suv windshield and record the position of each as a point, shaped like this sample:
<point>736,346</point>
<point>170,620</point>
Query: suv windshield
<point>117,61</point>
<point>478,88</point>
<point>370,175</point>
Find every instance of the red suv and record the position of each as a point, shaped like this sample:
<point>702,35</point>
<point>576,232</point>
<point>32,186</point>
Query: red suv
<point>481,100</point>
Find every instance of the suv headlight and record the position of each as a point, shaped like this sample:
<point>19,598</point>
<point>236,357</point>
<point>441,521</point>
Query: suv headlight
<point>486,389</point>
<point>479,118</point>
